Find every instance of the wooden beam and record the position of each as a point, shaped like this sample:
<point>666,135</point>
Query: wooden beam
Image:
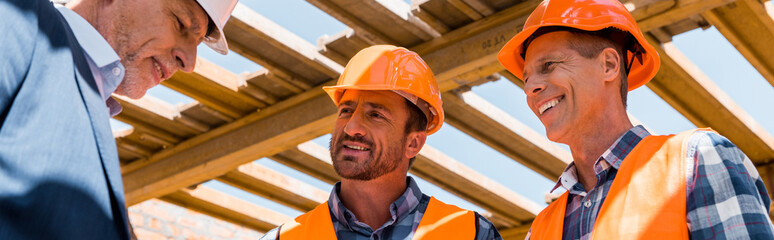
<point>428,18</point>
<point>369,33</point>
<point>454,177</point>
<point>681,84</point>
<point>275,186</point>
<point>483,121</point>
<point>277,49</point>
<point>480,6</point>
<point>228,208</point>
<point>517,233</point>
<point>311,159</point>
<point>748,26</point>
<point>472,48</point>
<point>206,156</point>
<point>380,21</point>
<point>156,116</point>
<point>679,12</point>
<point>466,9</point>
<point>216,88</point>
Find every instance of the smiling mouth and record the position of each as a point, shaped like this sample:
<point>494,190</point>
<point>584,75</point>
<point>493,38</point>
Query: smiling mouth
<point>158,68</point>
<point>357,148</point>
<point>550,104</point>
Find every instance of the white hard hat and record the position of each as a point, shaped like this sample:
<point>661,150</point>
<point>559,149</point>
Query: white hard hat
<point>219,12</point>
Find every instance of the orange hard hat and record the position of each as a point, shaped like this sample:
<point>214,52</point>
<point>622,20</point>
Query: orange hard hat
<point>586,15</point>
<point>386,67</point>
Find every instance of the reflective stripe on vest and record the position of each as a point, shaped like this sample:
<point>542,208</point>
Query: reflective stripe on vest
<point>440,221</point>
<point>646,200</point>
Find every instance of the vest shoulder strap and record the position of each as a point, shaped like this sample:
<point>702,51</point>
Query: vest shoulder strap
<point>549,223</point>
<point>444,221</point>
<point>315,224</point>
<point>647,199</point>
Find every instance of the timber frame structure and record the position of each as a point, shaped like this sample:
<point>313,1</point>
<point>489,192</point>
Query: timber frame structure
<point>274,112</point>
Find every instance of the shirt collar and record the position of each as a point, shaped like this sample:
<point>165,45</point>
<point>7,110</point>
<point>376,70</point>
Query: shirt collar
<point>89,38</point>
<point>613,156</point>
<point>400,208</point>
<point>109,70</point>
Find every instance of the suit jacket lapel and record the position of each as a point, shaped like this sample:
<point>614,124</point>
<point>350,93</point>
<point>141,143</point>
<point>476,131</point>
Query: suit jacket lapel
<point>99,118</point>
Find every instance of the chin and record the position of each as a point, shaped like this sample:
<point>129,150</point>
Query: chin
<point>131,91</point>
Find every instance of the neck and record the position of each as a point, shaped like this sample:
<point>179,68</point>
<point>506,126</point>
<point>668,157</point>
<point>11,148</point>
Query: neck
<point>91,11</point>
<point>589,145</point>
<point>370,200</point>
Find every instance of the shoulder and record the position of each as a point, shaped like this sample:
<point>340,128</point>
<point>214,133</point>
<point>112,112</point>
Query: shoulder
<point>714,149</point>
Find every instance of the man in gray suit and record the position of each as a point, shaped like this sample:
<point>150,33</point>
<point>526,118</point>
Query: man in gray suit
<point>59,171</point>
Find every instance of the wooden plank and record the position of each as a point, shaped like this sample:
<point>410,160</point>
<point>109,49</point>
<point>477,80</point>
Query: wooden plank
<point>216,88</point>
<point>382,21</point>
<point>369,33</point>
<point>480,7</point>
<point>454,177</point>
<point>277,49</point>
<point>441,13</point>
<point>428,18</point>
<point>681,84</point>
<point>155,116</point>
<point>516,233</point>
<point>470,49</point>
<point>748,26</point>
<point>465,8</point>
<point>311,159</point>
<point>483,121</point>
<point>678,13</point>
<point>228,208</point>
<point>206,156</point>
<point>275,186</point>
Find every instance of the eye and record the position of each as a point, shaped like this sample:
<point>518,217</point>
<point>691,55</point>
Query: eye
<point>344,111</point>
<point>375,114</point>
<point>547,66</point>
<point>180,24</point>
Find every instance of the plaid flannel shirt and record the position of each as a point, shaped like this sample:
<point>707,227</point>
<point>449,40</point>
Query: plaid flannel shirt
<point>406,213</point>
<point>726,198</point>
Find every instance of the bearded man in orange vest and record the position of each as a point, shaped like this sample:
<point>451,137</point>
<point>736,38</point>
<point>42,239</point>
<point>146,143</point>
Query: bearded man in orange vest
<point>578,60</point>
<point>388,102</point>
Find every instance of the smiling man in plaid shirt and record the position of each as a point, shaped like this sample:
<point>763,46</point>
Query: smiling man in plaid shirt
<point>388,102</point>
<point>578,60</point>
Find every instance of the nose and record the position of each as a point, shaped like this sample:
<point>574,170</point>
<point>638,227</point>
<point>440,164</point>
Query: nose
<point>185,56</point>
<point>534,86</point>
<point>354,125</point>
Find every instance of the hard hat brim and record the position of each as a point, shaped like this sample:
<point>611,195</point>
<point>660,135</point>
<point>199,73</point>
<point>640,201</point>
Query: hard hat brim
<point>335,93</point>
<point>217,43</point>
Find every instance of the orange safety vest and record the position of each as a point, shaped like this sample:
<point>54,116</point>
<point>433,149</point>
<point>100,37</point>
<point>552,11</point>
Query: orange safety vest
<point>646,200</point>
<point>440,221</point>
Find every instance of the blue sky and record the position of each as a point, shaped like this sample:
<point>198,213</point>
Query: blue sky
<point>714,55</point>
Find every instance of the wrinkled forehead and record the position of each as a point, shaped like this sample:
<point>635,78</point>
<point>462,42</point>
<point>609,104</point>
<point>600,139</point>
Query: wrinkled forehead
<point>386,98</point>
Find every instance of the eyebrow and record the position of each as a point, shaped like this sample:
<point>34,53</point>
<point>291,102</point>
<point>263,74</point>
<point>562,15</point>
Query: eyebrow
<point>195,27</point>
<point>350,103</point>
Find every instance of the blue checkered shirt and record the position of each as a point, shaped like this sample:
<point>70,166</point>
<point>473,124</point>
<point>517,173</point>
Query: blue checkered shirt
<point>406,213</point>
<point>726,198</point>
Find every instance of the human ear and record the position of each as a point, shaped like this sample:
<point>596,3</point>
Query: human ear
<point>414,143</point>
<point>611,64</point>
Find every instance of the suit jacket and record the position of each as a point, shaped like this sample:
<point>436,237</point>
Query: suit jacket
<point>59,171</point>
